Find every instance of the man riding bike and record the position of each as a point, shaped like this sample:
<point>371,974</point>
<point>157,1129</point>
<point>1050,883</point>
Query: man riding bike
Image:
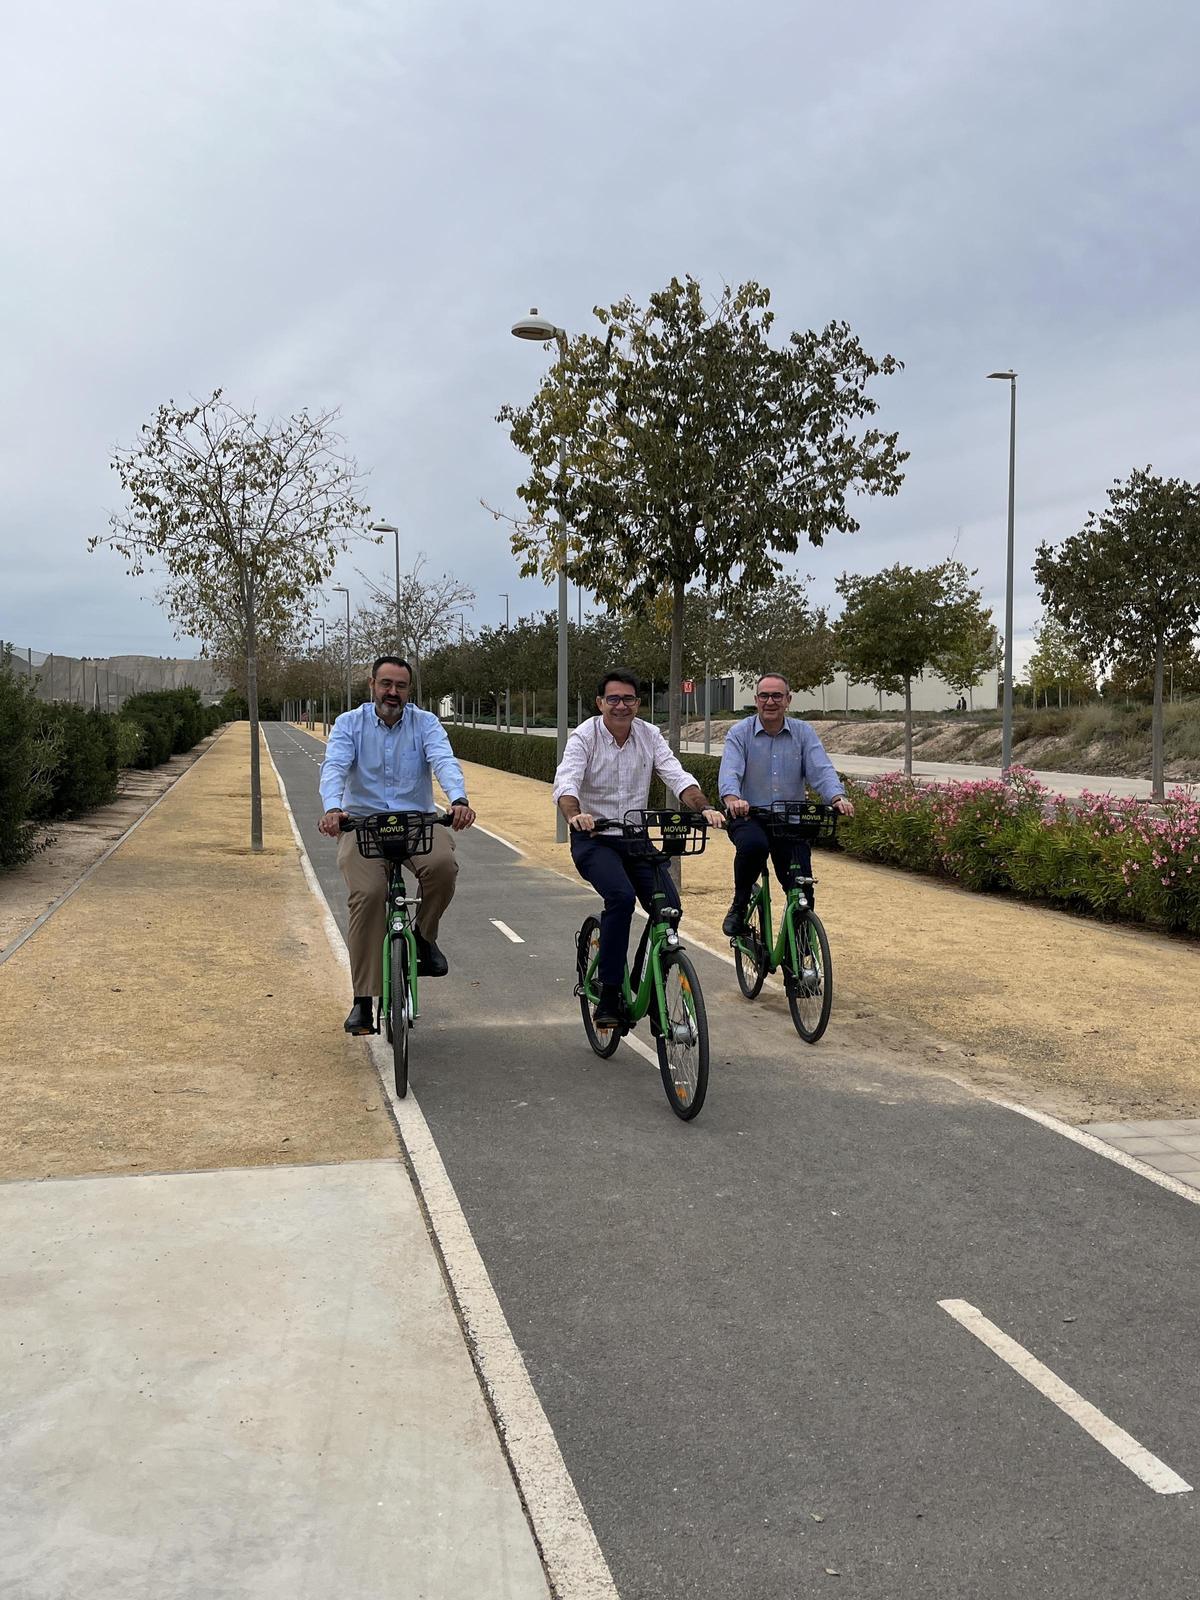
<point>769,757</point>
<point>605,771</point>
<point>382,756</point>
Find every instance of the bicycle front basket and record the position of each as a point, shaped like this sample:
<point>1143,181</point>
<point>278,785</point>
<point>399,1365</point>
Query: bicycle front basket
<point>674,833</point>
<point>395,835</point>
<point>803,819</point>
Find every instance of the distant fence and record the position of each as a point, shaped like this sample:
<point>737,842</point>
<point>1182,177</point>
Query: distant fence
<point>82,680</point>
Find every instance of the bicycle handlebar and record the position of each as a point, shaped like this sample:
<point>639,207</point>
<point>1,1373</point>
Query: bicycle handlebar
<point>439,819</point>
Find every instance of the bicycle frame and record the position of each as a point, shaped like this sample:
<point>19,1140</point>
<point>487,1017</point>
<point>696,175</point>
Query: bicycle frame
<point>399,926</point>
<point>785,946</point>
<point>661,929</point>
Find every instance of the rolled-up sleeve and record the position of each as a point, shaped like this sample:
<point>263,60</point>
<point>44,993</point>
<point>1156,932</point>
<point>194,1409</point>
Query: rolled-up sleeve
<point>569,773</point>
<point>819,772</point>
<point>668,767</point>
<point>339,758</point>
<point>441,758</point>
<point>733,762</point>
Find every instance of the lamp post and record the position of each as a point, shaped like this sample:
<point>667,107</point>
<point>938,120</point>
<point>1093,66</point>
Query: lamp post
<point>543,330</point>
<point>389,527</point>
<point>507,693</point>
<point>1006,733</point>
<point>339,588</point>
<point>324,684</point>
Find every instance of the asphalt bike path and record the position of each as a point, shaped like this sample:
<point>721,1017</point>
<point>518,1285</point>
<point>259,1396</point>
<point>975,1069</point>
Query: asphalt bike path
<point>772,1343</point>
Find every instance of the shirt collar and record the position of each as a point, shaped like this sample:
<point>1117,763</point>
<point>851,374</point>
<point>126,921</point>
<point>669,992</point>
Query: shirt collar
<point>609,736</point>
<point>790,725</point>
<point>373,709</point>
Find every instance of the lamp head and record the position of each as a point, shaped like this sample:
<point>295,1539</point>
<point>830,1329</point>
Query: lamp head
<point>1001,374</point>
<point>381,527</point>
<point>535,327</point>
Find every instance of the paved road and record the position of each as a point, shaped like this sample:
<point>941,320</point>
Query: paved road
<point>734,1325</point>
<point>1071,784</point>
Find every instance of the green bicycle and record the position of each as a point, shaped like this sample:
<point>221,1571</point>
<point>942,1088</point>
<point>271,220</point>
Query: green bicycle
<point>802,949</point>
<point>397,836</point>
<point>663,983</point>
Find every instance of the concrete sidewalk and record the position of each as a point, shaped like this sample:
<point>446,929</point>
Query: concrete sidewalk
<point>232,1365</point>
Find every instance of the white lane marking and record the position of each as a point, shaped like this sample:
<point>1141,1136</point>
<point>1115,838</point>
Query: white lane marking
<point>1099,1147</point>
<point>568,1545</point>
<point>513,938</point>
<point>507,843</point>
<point>1153,1472</point>
<point>641,1049</point>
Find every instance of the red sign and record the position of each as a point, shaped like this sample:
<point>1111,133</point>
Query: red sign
<point>689,686</point>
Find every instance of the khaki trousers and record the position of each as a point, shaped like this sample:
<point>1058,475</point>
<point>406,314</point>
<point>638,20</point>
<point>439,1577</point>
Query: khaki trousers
<point>366,881</point>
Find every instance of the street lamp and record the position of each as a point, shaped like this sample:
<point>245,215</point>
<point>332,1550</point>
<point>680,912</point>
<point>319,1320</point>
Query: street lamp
<point>324,683</point>
<point>1006,732</point>
<point>507,696</point>
<point>390,527</point>
<point>339,588</point>
<point>542,330</point>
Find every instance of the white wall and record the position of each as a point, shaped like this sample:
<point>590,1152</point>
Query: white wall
<point>929,693</point>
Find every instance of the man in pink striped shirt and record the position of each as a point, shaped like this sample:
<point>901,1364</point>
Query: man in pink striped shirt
<point>605,771</point>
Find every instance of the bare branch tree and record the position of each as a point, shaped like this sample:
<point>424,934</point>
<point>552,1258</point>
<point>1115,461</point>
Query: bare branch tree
<point>429,617</point>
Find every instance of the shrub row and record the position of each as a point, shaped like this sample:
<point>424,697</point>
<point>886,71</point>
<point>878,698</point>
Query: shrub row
<point>1100,855</point>
<point>58,760</point>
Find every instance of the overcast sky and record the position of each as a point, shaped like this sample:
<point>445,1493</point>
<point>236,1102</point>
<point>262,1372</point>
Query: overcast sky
<point>348,202</point>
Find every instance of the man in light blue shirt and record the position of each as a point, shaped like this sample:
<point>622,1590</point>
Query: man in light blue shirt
<point>383,756</point>
<point>769,757</point>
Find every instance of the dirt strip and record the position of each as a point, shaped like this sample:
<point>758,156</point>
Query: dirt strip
<point>183,1010</point>
<point>1087,1020</point>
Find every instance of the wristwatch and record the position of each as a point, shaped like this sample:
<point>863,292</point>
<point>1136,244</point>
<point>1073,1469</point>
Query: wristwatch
<point>462,801</point>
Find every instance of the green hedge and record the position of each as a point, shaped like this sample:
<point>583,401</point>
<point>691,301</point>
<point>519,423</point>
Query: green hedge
<point>58,760</point>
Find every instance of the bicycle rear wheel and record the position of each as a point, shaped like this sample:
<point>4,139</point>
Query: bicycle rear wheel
<point>810,991</point>
<point>683,1049</point>
<point>602,1040</point>
<point>750,952</point>
<point>398,1020</point>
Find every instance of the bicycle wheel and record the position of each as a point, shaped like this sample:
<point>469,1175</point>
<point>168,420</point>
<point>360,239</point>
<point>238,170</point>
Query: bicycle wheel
<point>602,1040</point>
<point>750,952</point>
<point>810,991</point>
<point>683,1050</point>
<point>398,1023</point>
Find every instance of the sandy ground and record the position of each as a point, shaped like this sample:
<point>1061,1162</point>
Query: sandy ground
<point>1072,1016</point>
<point>73,846</point>
<point>183,1010</point>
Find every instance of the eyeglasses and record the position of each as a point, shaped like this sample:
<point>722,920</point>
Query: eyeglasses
<point>773,694</point>
<point>390,683</point>
<point>620,699</point>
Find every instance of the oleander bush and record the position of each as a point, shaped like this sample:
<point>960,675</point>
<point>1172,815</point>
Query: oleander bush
<point>1102,855</point>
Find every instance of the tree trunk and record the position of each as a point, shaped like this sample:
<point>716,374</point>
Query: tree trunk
<point>675,687</point>
<point>256,830</point>
<point>908,727</point>
<point>1156,726</point>
<point>524,712</point>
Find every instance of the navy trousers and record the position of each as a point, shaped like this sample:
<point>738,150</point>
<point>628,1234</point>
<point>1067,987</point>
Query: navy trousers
<point>618,878</point>
<point>753,845</point>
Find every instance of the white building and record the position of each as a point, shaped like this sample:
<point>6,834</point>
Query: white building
<point>929,693</point>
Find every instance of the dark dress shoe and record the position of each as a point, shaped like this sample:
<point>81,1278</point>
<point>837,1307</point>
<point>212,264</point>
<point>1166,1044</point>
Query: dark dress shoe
<point>361,1018</point>
<point>735,920</point>
<point>431,963</point>
<point>608,1009</point>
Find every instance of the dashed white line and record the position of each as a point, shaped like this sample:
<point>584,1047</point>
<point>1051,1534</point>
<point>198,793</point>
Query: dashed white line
<point>1153,1472</point>
<point>513,938</point>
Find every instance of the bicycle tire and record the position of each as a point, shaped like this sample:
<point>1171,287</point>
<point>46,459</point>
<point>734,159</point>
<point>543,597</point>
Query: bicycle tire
<point>682,1065</point>
<point>398,1022</point>
<point>751,963</point>
<point>810,998</point>
<point>604,1041</point>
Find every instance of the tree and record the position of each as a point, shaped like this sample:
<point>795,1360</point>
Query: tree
<point>245,518</point>
<point>1056,662</point>
<point>775,629</point>
<point>898,624</point>
<point>695,451</point>
<point>1127,585</point>
<point>976,650</point>
<point>429,617</point>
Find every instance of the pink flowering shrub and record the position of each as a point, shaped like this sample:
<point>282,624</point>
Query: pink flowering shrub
<point>1099,854</point>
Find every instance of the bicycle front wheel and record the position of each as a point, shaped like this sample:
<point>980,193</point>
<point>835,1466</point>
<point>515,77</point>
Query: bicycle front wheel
<point>683,1049</point>
<point>810,991</point>
<point>750,953</point>
<point>603,1041</point>
<point>398,1020</point>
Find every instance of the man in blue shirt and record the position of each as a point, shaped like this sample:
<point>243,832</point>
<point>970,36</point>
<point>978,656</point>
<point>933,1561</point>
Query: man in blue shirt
<point>382,757</point>
<point>769,757</point>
